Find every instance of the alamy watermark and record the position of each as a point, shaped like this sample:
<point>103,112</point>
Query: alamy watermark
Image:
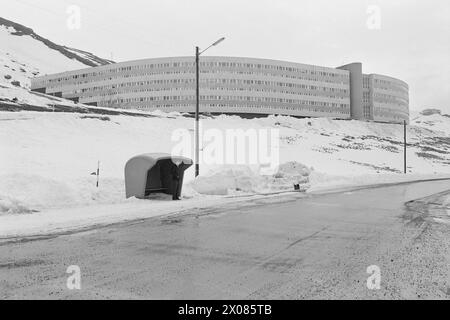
<point>374,280</point>
<point>74,280</point>
<point>374,17</point>
<point>73,21</point>
<point>252,147</point>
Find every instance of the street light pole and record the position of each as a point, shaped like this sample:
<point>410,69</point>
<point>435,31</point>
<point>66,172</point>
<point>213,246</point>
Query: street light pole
<point>197,107</point>
<point>197,104</point>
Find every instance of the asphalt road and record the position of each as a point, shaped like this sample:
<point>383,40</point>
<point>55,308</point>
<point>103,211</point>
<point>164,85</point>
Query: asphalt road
<point>314,247</point>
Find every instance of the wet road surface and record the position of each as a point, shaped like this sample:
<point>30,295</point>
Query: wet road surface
<point>308,248</point>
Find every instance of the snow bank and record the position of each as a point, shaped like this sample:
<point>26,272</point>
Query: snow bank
<point>28,193</point>
<point>324,182</point>
<point>243,179</point>
<point>12,206</point>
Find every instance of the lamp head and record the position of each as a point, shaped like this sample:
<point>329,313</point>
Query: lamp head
<point>218,41</point>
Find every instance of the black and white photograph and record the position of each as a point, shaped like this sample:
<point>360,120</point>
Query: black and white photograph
<point>212,153</point>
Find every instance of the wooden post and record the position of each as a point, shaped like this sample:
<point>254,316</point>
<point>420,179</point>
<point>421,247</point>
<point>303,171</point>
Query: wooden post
<point>98,172</point>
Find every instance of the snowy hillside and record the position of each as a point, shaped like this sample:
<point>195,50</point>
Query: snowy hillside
<point>47,158</point>
<point>433,119</point>
<point>25,54</point>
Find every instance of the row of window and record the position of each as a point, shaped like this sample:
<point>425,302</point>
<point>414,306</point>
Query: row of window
<point>239,107</point>
<point>234,82</point>
<point>396,91</point>
<point>227,90</point>
<point>388,83</point>
<point>115,92</point>
<point>237,98</point>
<point>387,110</point>
<point>73,80</point>
<point>389,117</point>
<point>385,98</point>
<point>313,70</point>
<point>391,87</point>
<point>366,82</point>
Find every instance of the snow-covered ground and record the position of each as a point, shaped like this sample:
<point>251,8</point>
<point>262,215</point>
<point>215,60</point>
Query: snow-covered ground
<point>47,160</point>
<point>446,209</point>
<point>18,95</point>
<point>435,122</point>
<point>446,205</point>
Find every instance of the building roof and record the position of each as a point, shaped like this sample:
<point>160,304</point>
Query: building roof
<point>152,158</point>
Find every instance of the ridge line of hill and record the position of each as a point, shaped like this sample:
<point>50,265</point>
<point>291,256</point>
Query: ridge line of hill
<point>21,30</point>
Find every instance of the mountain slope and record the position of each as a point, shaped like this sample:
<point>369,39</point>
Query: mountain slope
<point>25,54</point>
<point>84,57</point>
<point>433,119</point>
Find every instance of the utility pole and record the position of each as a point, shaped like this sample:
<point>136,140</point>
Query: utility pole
<point>404,145</point>
<point>197,104</point>
<point>197,107</point>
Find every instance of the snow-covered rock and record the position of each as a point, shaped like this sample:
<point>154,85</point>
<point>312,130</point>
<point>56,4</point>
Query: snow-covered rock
<point>429,112</point>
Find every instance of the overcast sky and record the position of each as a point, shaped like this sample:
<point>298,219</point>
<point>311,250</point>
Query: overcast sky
<point>409,39</point>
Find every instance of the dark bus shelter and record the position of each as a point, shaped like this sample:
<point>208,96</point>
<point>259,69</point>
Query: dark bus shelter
<point>151,173</point>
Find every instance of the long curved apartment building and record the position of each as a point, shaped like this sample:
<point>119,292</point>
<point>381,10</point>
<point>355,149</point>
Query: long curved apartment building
<point>234,85</point>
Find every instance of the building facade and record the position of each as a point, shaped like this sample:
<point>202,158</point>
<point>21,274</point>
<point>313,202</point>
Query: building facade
<point>389,99</point>
<point>244,86</point>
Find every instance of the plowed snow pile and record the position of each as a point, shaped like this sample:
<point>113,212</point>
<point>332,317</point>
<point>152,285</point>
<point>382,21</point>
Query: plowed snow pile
<point>242,179</point>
